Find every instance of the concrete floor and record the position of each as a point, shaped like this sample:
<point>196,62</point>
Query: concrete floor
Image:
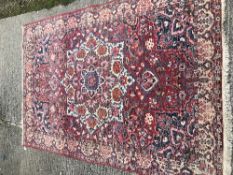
<point>14,160</point>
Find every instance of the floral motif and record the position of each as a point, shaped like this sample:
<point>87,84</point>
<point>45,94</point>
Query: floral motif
<point>149,118</point>
<point>144,6</point>
<point>150,44</point>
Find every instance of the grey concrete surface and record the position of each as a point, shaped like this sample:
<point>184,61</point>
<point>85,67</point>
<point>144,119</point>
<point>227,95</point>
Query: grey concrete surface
<point>14,160</point>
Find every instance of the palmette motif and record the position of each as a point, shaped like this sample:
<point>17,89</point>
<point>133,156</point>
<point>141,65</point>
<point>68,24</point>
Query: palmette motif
<point>133,84</point>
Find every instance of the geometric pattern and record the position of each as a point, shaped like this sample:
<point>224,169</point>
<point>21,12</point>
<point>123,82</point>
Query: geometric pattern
<point>132,84</point>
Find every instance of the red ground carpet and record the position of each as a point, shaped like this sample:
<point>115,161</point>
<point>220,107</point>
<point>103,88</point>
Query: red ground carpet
<point>132,84</point>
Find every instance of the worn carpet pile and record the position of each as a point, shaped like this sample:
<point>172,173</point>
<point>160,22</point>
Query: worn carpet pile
<point>131,84</point>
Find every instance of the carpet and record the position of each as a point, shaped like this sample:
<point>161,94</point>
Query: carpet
<point>131,84</point>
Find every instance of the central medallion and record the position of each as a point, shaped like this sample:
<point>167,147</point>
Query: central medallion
<point>91,81</point>
<point>95,82</point>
